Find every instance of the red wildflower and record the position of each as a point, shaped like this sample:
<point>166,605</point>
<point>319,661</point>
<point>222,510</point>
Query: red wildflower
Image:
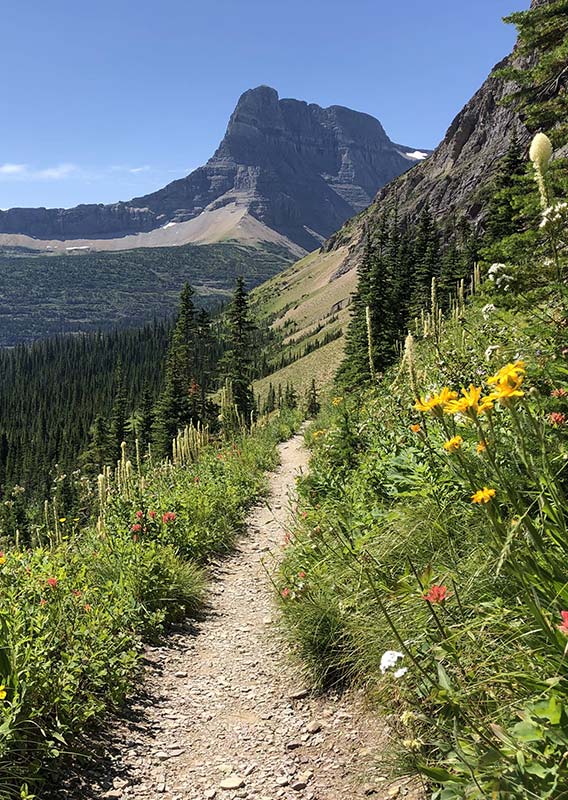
<point>437,594</point>
<point>43,601</point>
<point>88,606</point>
<point>559,393</point>
<point>301,574</point>
<point>564,627</point>
<point>52,582</point>
<point>285,593</point>
<point>77,592</point>
<point>152,514</point>
<point>169,516</point>
<point>304,514</point>
<point>220,455</point>
<point>136,527</point>
<point>196,479</point>
<point>557,418</point>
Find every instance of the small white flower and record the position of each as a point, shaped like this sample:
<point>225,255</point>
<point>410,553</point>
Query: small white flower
<point>400,672</point>
<point>389,659</point>
<point>494,269</point>
<point>487,310</point>
<point>490,350</point>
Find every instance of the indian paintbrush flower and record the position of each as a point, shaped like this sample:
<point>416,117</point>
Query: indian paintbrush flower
<point>563,628</point>
<point>436,594</point>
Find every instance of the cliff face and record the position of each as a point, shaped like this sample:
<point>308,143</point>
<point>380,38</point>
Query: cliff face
<point>455,177</point>
<point>300,169</point>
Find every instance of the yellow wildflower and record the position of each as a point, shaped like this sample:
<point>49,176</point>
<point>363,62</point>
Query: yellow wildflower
<point>435,402</point>
<point>317,434</point>
<point>415,428</point>
<point>62,519</point>
<point>2,559</point>
<point>504,392</point>
<point>453,444</point>
<point>510,373</point>
<point>481,447</point>
<point>2,692</point>
<point>483,496</point>
<point>470,403</point>
<point>337,401</point>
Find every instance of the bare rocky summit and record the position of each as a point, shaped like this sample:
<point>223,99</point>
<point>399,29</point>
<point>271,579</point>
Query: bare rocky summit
<point>299,169</point>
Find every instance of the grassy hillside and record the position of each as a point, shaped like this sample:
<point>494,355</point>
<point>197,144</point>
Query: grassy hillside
<point>307,302</point>
<point>46,295</point>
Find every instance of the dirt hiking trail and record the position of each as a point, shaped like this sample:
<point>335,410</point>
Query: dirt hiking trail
<point>222,713</point>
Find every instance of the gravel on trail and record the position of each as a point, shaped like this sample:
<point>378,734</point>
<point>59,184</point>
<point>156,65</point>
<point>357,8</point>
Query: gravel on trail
<point>223,712</point>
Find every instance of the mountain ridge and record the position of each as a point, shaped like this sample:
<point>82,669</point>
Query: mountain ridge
<point>299,169</point>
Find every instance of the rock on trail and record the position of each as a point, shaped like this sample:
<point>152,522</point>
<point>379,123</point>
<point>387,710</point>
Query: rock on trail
<point>222,713</point>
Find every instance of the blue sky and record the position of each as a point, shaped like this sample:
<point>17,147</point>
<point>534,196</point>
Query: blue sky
<point>107,100</point>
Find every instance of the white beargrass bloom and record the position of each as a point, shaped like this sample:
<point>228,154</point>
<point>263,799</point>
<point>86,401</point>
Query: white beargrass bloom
<point>495,269</point>
<point>540,152</point>
<point>389,659</point>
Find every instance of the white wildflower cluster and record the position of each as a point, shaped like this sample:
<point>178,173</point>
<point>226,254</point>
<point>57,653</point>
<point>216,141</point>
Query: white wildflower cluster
<point>488,310</point>
<point>555,215</point>
<point>389,660</point>
<point>496,273</point>
<point>490,350</point>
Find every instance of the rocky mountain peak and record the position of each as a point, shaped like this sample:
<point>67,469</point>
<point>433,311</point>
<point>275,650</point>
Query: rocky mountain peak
<point>296,168</point>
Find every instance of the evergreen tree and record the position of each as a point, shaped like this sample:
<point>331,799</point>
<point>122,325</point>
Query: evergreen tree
<point>270,402</point>
<point>355,368</point>
<point>118,418</point>
<point>502,218</point>
<point>238,360</point>
<point>542,77</point>
<point>426,258</point>
<point>98,453</point>
<point>312,400</point>
<point>145,421</point>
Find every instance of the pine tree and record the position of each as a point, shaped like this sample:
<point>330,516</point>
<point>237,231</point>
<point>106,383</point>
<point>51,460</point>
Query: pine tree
<point>542,97</point>
<point>355,369</point>
<point>98,453</point>
<point>426,261</point>
<point>177,405</point>
<point>238,360</point>
<point>145,422</point>
<point>118,418</point>
<point>312,400</point>
<point>502,218</point>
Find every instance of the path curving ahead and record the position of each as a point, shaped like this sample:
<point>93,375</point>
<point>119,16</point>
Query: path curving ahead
<point>223,714</point>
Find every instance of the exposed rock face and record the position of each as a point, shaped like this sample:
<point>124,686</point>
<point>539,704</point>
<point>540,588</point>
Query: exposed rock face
<point>300,169</point>
<point>452,180</point>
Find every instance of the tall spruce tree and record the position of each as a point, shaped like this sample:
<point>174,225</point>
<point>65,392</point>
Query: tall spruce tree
<point>237,364</point>
<point>355,368</point>
<point>176,406</point>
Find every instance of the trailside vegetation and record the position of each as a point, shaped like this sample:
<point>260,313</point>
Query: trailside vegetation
<point>428,561</point>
